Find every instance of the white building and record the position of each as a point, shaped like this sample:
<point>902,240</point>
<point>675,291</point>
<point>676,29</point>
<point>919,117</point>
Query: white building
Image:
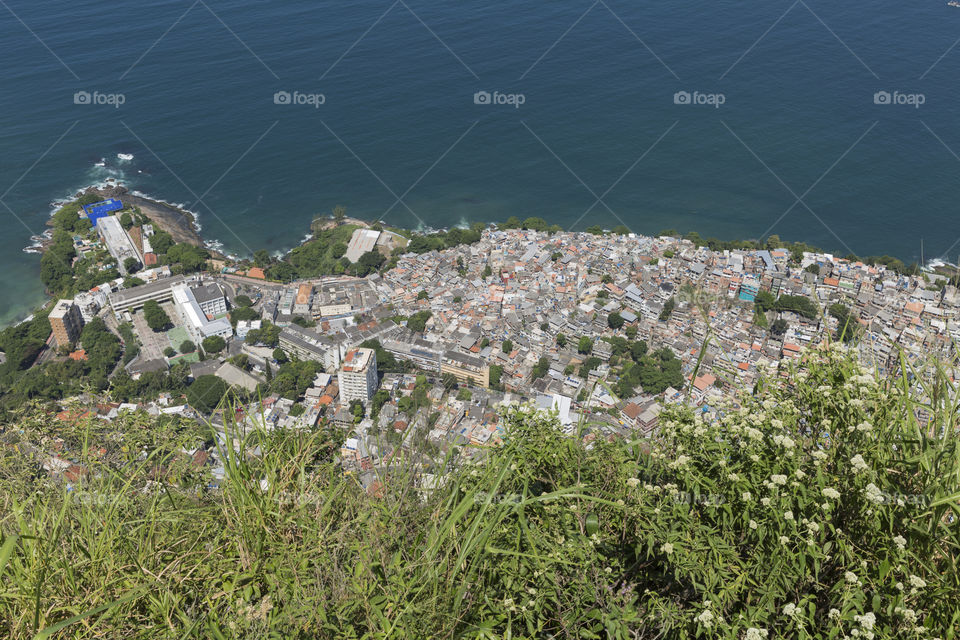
<point>362,241</point>
<point>358,376</point>
<point>118,242</point>
<point>210,298</point>
<point>195,321</point>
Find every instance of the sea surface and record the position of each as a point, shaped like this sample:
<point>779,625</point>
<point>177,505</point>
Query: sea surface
<point>383,117</point>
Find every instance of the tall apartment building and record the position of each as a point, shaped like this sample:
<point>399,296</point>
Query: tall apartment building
<point>358,376</point>
<point>66,322</point>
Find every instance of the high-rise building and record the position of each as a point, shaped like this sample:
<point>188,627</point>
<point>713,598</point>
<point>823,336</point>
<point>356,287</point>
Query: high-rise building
<point>66,322</point>
<point>358,376</point>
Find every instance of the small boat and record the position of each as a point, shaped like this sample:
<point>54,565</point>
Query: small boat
<point>953,3</point>
<point>125,156</point>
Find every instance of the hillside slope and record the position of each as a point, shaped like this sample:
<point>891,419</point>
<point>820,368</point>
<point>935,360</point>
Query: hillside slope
<point>823,507</point>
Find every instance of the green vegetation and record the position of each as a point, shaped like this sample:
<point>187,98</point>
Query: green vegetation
<point>418,321</point>
<point>244,313</point>
<point>652,372</point>
<point>157,319</point>
<point>801,305</point>
<point>507,346</point>
<point>585,345</point>
<point>20,382</point>
<point>668,308</point>
<point>615,320</point>
<point>187,347</point>
<point>541,368</point>
<point>268,335</point>
<point>848,329</point>
<point>213,344</point>
<point>206,393</point>
<point>763,520</point>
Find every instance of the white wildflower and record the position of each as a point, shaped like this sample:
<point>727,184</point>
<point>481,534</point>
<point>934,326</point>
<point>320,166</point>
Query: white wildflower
<point>666,548</point>
<point>859,464</point>
<point>753,524</point>
<point>756,634</point>
<point>733,477</point>
<point>765,501</point>
<point>813,527</point>
<point>851,577</point>
<point>705,618</point>
<point>917,582</point>
<point>864,427</point>
<point>834,614</point>
<point>788,515</point>
<point>778,479</point>
<point>633,482</point>
<point>874,494</point>
<point>784,540</point>
<point>901,542</point>
<point>747,496</point>
<point>831,493</point>
<point>789,609</point>
<point>866,621</point>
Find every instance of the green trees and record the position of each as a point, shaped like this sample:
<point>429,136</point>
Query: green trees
<point>267,335</point>
<point>369,262</point>
<point>541,368</point>
<point>188,257</point>
<point>206,392</point>
<point>449,381</point>
<point>423,295</point>
<point>279,355</point>
<point>187,347</point>
<point>615,320</point>
<point>418,321</point>
<point>802,305</point>
<point>585,345</point>
<point>242,300</point>
<point>496,373</point>
<point>848,328</point>
<point>779,327</point>
<point>561,340</point>
<point>214,344</point>
<point>668,308</point>
<point>507,346</point>
<point>131,265</point>
<point>155,316</point>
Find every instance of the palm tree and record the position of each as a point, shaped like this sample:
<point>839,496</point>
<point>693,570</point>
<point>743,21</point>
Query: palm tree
<point>339,214</point>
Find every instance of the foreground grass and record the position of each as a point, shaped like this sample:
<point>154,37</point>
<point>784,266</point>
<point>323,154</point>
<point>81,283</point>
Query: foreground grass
<point>824,507</point>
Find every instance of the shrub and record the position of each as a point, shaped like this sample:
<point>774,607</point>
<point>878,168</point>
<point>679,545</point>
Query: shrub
<point>821,504</point>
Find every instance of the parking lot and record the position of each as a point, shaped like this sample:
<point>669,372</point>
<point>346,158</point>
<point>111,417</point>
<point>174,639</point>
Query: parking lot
<point>153,343</point>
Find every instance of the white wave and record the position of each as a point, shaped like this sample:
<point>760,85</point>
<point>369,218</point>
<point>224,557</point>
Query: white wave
<point>102,163</point>
<point>125,157</point>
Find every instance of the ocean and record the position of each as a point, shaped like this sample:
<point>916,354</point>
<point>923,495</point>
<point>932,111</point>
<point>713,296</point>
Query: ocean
<point>831,123</point>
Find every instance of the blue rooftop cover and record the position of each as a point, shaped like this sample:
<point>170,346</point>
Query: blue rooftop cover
<point>100,209</point>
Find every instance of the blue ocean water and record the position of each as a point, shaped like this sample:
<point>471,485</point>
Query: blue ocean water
<point>799,147</point>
